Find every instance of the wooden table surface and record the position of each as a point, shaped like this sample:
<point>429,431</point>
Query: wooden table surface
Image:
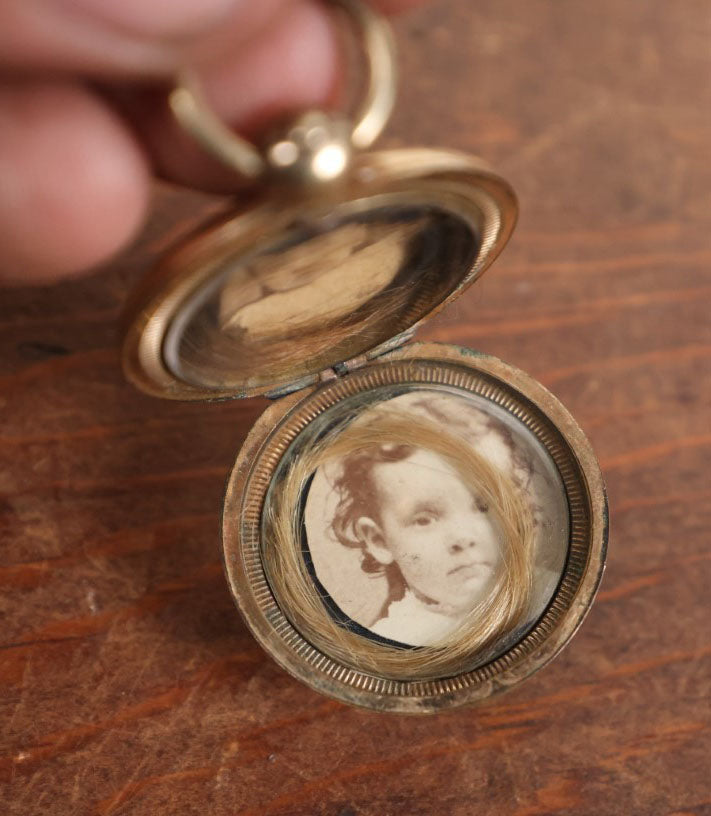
<point>129,685</point>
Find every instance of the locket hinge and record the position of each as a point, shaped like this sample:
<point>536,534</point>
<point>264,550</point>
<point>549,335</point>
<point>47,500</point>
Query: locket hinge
<point>345,367</point>
<point>341,369</point>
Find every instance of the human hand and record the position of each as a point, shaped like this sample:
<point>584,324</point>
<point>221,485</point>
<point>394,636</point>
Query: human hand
<point>74,172</point>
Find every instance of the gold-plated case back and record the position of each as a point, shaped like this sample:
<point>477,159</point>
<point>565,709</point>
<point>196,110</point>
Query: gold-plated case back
<point>265,300</point>
<point>420,365</point>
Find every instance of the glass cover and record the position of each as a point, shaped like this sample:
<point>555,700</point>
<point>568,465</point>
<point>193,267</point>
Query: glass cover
<point>439,509</point>
<point>327,290</point>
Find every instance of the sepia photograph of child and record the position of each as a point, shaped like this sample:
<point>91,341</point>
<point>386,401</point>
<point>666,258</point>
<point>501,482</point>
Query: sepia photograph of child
<point>421,527</point>
<point>429,547</point>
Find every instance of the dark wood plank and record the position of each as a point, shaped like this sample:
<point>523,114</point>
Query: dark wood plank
<point>128,683</point>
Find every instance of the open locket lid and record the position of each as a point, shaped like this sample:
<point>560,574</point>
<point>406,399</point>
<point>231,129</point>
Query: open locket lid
<point>270,299</point>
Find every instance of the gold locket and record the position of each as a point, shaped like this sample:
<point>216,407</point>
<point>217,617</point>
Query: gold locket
<point>310,296</point>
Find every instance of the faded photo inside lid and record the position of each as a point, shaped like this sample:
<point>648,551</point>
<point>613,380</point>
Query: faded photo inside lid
<point>267,299</point>
<point>326,291</point>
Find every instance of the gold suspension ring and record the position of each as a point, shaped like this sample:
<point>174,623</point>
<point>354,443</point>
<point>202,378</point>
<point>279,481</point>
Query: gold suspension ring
<point>190,107</point>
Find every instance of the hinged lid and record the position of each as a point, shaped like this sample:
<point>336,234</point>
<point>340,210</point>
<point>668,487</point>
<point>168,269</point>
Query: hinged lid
<point>266,299</point>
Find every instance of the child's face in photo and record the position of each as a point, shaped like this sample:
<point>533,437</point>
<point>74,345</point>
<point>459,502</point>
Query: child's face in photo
<point>444,539</point>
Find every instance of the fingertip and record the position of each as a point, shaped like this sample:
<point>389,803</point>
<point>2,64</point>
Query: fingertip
<point>74,185</point>
<point>292,66</point>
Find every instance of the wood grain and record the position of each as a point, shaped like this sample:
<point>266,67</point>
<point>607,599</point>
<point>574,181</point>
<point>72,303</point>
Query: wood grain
<point>128,683</point>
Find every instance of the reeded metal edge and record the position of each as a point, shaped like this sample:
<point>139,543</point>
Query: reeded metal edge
<point>427,363</point>
<point>483,197</point>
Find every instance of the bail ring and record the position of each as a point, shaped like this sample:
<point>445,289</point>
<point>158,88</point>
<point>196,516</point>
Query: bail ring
<point>189,106</point>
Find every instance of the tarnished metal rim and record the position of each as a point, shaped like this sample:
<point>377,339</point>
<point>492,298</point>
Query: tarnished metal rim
<point>538,410</point>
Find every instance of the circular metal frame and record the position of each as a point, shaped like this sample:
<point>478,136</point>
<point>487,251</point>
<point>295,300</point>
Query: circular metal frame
<point>453,180</point>
<point>538,410</point>
<point>190,107</point>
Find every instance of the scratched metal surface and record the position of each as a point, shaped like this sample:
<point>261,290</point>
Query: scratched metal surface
<point>128,683</point>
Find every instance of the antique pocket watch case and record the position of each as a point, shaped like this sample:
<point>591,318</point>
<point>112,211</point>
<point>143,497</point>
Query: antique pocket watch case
<point>409,526</point>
